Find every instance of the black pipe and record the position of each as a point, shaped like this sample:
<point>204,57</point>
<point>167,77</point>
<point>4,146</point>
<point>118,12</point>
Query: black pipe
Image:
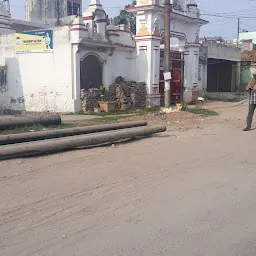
<point>9,123</point>
<point>43,135</point>
<point>69,143</point>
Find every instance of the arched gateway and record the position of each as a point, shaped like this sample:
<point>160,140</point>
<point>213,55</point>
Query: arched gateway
<point>91,72</point>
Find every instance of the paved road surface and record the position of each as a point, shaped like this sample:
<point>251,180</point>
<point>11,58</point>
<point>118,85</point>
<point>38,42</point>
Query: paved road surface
<point>185,193</point>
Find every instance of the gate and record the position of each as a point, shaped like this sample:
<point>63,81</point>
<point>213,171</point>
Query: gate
<point>177,70</point>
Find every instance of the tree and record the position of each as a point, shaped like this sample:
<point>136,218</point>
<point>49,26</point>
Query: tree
<point>127,18</point>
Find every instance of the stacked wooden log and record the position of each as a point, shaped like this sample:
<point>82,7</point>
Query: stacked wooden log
<point>89,99</point>
<point>83,100</point>
<point>112,91</point>
<point>139,95</point>
<point>128,94</point>
<point>123,97</point>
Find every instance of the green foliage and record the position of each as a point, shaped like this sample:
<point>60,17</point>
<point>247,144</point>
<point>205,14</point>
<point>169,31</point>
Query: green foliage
<point>202,111</point>
<point>103,92</point>
<point>127,18</point>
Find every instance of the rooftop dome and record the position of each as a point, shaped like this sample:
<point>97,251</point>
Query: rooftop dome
<point>94,6</point>
<point>5,17</point>
<point>191,3</point>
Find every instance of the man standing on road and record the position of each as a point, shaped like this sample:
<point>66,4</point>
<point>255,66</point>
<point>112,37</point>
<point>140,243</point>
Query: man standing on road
<point>252,100</point>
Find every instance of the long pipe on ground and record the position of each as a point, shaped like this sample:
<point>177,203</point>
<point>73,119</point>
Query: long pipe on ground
<point>43,135</point>
<point>68,143</point>
<point>12,122</point>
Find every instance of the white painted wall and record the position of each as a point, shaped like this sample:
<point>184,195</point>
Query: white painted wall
<point>121,38</point>
<point>202,80</point>
<point>120,64</point>
<point>191,65</point>
<point>38,81</point>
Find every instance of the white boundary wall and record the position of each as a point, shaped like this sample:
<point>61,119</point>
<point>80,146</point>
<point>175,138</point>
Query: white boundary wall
<point>38,81</point>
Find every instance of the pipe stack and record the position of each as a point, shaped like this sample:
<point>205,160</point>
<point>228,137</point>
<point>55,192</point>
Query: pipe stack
<point>13,122</point>
<point>48,142</point>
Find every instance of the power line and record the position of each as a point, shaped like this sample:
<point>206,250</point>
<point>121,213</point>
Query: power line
<point>228,16</point>
<point>224,21</point>
<point>203,13</point>
<point>85,8</point>
<point>248,26</point>
<point>206,13</point>
<point>228,13</point>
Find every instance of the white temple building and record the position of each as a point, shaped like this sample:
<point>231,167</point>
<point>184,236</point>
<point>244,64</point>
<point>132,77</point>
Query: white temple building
<point>93,51</point>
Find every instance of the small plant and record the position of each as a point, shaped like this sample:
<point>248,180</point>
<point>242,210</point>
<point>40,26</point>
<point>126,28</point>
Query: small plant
<point>106,105</point>
<point>184,106</point>
<point>103,92</point>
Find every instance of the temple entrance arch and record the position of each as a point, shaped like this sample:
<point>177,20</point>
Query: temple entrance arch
<point>91,69</point>
<point>177,39</point>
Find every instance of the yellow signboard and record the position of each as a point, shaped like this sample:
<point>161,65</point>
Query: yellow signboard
<point>34,41</point>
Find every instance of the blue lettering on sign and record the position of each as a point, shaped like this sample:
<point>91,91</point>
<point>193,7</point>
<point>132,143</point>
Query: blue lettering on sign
<point>47,36</point>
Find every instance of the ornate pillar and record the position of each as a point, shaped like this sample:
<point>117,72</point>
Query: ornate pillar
<point>191,64</point>
<point>148,47</point>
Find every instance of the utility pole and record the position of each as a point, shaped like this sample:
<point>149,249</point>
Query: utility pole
<point>45,11</point>
<point>238,31</point>
<point>58,12</point>
<point>167,59</point>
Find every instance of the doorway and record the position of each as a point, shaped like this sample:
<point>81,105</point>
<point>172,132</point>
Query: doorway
<point>91,68</point>
<point>219,75</point>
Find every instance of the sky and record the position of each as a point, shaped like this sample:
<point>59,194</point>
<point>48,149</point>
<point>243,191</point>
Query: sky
<point>225,26</point>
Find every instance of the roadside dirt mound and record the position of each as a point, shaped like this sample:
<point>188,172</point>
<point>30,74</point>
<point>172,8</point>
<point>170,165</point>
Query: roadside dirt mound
<point>176,121</point>
<point>175,117</point>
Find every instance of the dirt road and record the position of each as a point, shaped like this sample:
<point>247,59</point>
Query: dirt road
<point>183,193</point>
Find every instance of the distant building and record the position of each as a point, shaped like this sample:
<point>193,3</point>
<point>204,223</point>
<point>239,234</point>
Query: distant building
<point>21,25</point>
<point>223,64</point>
<point>10,26</point>
<point>49,11</point>
<point>247,36</point>
<point>247,40</point>
<point>5,20</point>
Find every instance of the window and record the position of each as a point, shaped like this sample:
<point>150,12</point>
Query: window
<point>69,8</point>
<point>76,8</point>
